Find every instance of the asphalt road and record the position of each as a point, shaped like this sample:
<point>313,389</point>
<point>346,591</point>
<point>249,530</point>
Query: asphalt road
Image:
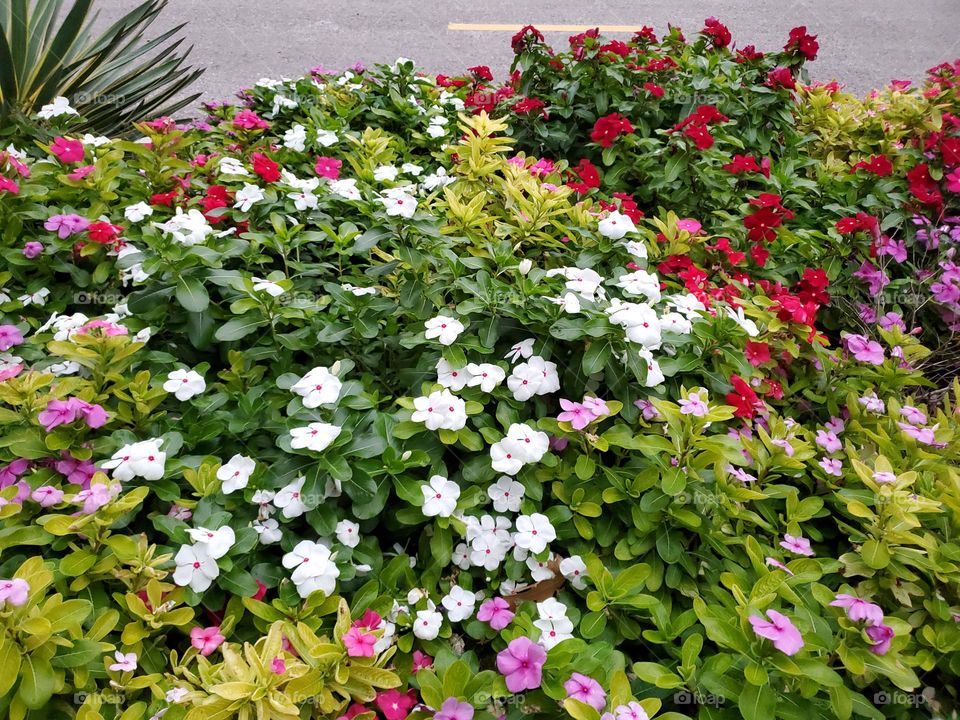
<point>863,43</point>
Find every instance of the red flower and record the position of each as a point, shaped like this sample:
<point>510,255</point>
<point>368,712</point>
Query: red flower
<point>923,187</point>
<point>861,222</point>
<point>589,177</point>
<point>742,164</point>
<point>717,32</point>
<point>528,105</point>
<point>261,591</point>
<point>757,353</point>
<point>781,77</point>
<point>103,233</point>
<point>164,199</point>
<point>628,206</point>
<point>525,39</point>
<point>950,151</point>
<point>608,128</point>
<point>216,197</point>
<point>700,135</point>
<point>444,81</point>
<point>759,255</point>
<point>617,47</point>
<point>879,165</point>
<point>481,72</point>
<point>265,168</point>
<point>748,53</point>
<point>803,43</point>
<point>328,167</point>
<point>653,89</point>
<point>744,400</point>
<point>762,224</point>
<point>645,34</point>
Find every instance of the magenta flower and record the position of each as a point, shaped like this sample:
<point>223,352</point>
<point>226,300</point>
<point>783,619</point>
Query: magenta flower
<point>93,415</point>
<point>278,666</point>
<point>920,434</point>
<point>10,473</point>
<point>66,225</point>
<point>14,592</point>
<point>631,711</point>
<point>689,224</point>
<point>897,249</point>
<point>421,661</point>
<point>832,466</point>
<point>586,690</point>
<point>647,408</point>
<point>773,562</point>
<point>58,412</point>
<point>81,172</point>
<point>359,643</point>
<point>875,278</point>
<point>8,185</point>
<point>859,610</point>
<point>453,709</point>
<point>328,167</point>
<point>496,612</point>
<point>249,120</point>
<point>32,249</point>
<point>796,544</point>
<point>47,495</point>
<point>10,335</point>
<point>521,664</point>
<point>864,349</point>
<point>893,320</point>
<point>206,640</point>
<point>779,629</point>
<point>694,405</point>
<point>880,636</point>
<point>578,415</point>
<point>67,151</point>
<point>829,441</point>
<point>835,425</point>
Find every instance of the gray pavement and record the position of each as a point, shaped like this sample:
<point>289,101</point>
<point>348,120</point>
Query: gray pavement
<point>863,43</point>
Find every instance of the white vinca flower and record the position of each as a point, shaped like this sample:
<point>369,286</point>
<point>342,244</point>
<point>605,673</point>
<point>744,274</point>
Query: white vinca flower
<point>290,499</point>
<point>185,384</point>
<point>506,494</point>
<point>137,213</point>
<point>188,228</point>
<point>314,568</point>
<point>426,625</point>
<point>267,286</point>
<point>439,497</point>
<point>615,225</point>
<point>654,373</point>
<point>748,325</point>
<point>247,196</point>
<point>582,281</point>
<point>640,322</point>
<point>385,173</point>
<point>399,204</point>
<point>540,569</point>
<point>459,603</point>
<point>217,542</point>
<point>348,533</point>
<point>440,410</point>
<point>268,531</point>
<point>575,570</point>
<point>195,568</point>
<point>522,349</point>
<point>346,188</point>
<point>534,532</point>
<point>326,138</point>
<point>231,166</point>
<point>59,106</point>
<point>141,459</point>
<point>236,473</point>
<point>640,282</point>
<point>485,375</point>
<point>296,138</point>
<point>318,387</point>
<point>534,377</point>
<point>450,377</point>
<point>316,436</point>
<point>444,329</point>
<point>522,445</point>
<point>676,323</point>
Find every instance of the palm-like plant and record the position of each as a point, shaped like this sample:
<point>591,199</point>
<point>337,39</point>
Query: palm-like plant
<point>112,80</point>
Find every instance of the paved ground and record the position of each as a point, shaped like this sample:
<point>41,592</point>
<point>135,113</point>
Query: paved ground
<point>863,43</point>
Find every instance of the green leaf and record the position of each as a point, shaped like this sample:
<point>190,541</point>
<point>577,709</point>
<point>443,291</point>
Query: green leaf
<point>239,327</point>
<point>10,662</point>
<point>82,653</point>
<point>191,294</point>
<point>36,682</point>
<point>757,703</point>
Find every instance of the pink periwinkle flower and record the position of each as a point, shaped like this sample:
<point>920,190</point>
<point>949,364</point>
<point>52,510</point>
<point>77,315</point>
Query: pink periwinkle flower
<point>920,434</point>
<point>796,544</point>
<point>66,225</point>
<point>875,278</point>
<point>586,690</point>
<point>453,709</point>
<point>521,664</point>
<point>32,249</point>
<point>858,609</point>
<point>881,636</point>
<point>689,224</point>
<point>780,630</point>
<point>359,643</point>
<point>10,472</point>
<point>694,405</point>
<point>496,612</point>
<point>58,412</point>
<point>278,666</point>
<point>773,562</point>
<point>249,120</point>
<point>631,711</point>
<point>10,336</point>
<point>47,495</point>
<point>207,639</point>
<point>829,441</point>
<point>913,415</point>
<point>81,172</point>
<point>831,466</point>
<point>67,151</point>
<point>864,349</point>
<point>421,661</point>
<point>577,414</point>
<point>14,592</point>
<point>647,408</point>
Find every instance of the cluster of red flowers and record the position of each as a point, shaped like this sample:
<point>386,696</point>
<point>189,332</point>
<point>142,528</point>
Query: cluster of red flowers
<point>861,222</point>
<point>718,33</point>
<point>527,37</point>
<point>265,168</point>
<point>747,164</point>
<point>609,128</point>
<point>588,177</point>
<point>696,125</point>
<point>923,187</point>
<point>878,165</point>
<point>768,214</point>
<point>529,105</point>
<point>803,43</point>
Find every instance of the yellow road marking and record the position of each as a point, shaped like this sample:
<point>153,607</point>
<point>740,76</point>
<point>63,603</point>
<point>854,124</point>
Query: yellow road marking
<point>487,27</point>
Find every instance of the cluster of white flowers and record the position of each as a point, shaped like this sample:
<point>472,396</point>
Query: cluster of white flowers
<point>313,568</point>
<point>142,459</point>
<point>486,376</point>
<point>440,410</point>
<point>521,446</point>
<point>187,228</point>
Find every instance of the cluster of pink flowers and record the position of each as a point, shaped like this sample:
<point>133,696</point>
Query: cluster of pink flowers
<point>859,610</point>
<point>581,414</point>
<point>63,412</point>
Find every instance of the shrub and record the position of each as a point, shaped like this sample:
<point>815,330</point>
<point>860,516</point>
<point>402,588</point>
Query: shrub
<point>334,404</point>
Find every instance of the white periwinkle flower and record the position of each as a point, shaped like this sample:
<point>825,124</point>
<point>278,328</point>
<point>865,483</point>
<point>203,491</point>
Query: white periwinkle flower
<point>185,384</point>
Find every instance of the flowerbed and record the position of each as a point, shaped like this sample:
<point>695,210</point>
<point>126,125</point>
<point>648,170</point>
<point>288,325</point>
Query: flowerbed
<point>384,395</point>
